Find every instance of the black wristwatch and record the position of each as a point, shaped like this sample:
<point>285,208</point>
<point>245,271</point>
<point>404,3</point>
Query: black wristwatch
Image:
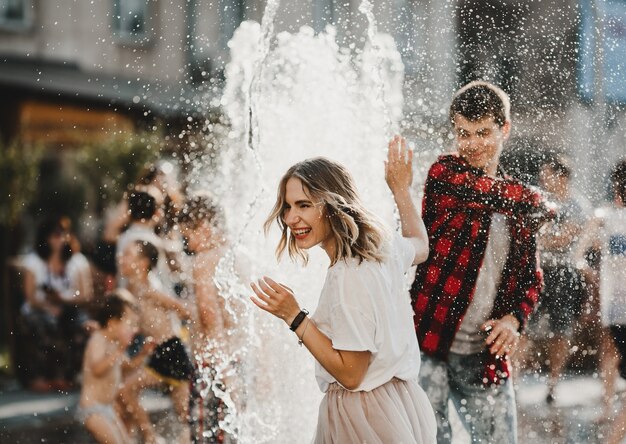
<point>298,319</point>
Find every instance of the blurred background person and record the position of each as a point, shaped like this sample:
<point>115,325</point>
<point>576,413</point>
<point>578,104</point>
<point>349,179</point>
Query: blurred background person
<point>202,224</point>
<point>564,291</point>
<point>607,230</point>
<point>159,181</point>
<point>56,285</point>
<point>160,317</point>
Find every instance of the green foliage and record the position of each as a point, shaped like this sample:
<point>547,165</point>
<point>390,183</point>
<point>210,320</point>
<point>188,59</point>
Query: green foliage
<point>113,165</point>
<point>18,179</point>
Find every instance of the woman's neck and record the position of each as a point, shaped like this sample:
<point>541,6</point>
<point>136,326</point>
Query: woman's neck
<point>56,263</point>
<point>138,283</point>
<point>330,247</point>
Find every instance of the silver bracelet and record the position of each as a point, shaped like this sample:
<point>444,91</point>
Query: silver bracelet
<point>301,338</point>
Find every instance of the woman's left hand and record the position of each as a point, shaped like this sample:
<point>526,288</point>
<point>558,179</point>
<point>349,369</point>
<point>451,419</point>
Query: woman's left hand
<point>399,165</point>
<point>276,299</point>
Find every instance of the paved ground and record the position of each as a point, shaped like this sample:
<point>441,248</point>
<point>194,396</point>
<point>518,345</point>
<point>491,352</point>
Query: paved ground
<point>29,418</point>
<point>26,417</point>
<point>575,417</point>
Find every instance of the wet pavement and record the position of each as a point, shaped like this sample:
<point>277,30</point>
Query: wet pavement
<point>575,416</point>
<point>29,418</point>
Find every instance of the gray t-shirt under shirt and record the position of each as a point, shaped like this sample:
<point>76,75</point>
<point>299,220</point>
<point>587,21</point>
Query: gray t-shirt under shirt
<point>469,339</point>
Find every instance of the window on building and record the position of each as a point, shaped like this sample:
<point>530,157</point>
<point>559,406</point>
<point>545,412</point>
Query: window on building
<point>15,14</point>
<point>323,14</point>
<point>406,23</point>
<point>489,42</point>
<point>130,20</point>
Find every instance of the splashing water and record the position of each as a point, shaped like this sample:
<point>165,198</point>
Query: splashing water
<point>289,98</point>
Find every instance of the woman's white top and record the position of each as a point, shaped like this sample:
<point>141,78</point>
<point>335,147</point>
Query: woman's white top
<point>65,284</point>
<point>367,307</point>
<point>613,267</point>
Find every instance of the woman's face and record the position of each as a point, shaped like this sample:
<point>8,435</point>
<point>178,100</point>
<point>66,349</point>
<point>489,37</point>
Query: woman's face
<point>58,239</point>
<point>130,261</point>
<point>199,238</point>
<point>306,217</point>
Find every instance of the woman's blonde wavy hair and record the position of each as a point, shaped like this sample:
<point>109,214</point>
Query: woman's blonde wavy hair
<point>356,231</point>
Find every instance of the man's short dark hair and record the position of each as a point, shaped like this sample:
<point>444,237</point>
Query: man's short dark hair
<point>478,100</point>
<point>618,178</point>
<point>141,205</point>
<point>112,306</point>
<point>150,252</point>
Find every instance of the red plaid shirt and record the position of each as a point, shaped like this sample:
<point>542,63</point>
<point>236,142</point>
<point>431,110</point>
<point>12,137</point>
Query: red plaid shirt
<point>458,203</point>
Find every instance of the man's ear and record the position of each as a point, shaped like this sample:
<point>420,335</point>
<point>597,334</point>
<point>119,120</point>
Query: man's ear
<point>506,129</point>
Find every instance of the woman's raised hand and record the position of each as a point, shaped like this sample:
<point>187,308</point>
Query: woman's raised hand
<point>399,165</point>
<point>276,299</point>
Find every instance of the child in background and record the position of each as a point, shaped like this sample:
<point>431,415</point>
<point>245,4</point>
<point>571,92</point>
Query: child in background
<point>105,357</point>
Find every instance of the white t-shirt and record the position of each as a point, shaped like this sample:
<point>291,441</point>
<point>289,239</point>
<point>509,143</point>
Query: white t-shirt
<point>367,307</point>
<point>468,339</point>
<point>613,267</point>
<point>66,284</point>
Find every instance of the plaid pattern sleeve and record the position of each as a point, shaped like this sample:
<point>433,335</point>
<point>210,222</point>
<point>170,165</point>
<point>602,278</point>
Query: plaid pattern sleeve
<point>457,207</point>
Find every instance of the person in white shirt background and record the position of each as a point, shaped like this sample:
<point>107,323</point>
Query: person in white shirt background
<point>607,232</point>
<point>57,284</point>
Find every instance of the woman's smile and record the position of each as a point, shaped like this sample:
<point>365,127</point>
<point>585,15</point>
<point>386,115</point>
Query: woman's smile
<point>300,233</point>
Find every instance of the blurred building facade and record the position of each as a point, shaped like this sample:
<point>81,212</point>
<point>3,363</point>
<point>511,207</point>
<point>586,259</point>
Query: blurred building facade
<point>73,69</point>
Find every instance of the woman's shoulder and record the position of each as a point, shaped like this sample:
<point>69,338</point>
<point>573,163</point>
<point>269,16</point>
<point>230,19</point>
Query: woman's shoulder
<point>32,262</point>
<point>78,261</point>
<point>351,277</point>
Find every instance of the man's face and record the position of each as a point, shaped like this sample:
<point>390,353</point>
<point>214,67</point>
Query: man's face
<point>480,142</point>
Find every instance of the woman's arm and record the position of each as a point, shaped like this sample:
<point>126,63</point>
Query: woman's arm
<point>30,294</point>
<point>139,359</point>
<point>209,309</point>
<point>169,303</point>
<point>347,367</point>
<point>399,176</point>
<point>552,239</point>
<point>83,285</point>
<point>116,221</point>
<point>589,238</point>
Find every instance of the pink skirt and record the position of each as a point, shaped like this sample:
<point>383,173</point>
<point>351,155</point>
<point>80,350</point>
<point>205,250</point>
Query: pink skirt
<point>397,412</point>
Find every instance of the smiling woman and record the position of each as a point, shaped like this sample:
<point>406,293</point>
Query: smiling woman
<point>361,334</point>
<point>317,203</point>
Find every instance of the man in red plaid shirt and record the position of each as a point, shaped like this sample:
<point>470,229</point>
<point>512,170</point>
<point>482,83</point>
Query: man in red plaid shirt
<point>473,295</point>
